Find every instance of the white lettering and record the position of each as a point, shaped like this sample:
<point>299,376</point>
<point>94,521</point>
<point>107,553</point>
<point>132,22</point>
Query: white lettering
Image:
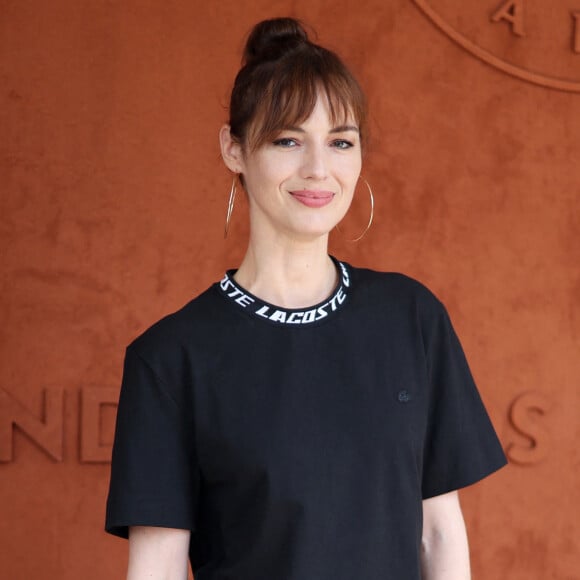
<point>309,316</point>
<point>235,292</point>
<point>282,316</point>
<point>244,300</point>
<point>295,318</point>
<point>321,312</point>
<point>345,278</point>
<point>332,302</point>
<point>278,316</point>
<point>225,283</point>
<point>263,311</point>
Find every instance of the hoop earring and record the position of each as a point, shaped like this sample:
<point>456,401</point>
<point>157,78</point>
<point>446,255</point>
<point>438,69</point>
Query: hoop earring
<point>231,203</point>
<point>372,214</point>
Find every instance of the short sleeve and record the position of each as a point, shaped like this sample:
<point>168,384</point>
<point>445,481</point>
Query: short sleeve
<point>461,446</point>
<point>154,472</point>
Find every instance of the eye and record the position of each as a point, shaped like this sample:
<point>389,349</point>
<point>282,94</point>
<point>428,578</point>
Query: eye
<point>342,144</point>
<point>285,142</point>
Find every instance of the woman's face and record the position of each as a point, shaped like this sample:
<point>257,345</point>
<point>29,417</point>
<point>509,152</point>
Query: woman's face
<point>301,183</point>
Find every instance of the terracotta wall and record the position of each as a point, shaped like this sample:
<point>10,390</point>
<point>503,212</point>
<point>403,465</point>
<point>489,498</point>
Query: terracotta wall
<point>112,204</point>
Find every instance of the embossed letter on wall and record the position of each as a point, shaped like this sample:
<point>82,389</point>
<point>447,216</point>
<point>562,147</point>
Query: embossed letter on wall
<point>526,415</point>
<point>512,11</point>
<point>557,65</point>
<point>47,432</point>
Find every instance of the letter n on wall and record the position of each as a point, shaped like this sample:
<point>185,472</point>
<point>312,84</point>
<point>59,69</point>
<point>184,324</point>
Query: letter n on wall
<point>46,432</point>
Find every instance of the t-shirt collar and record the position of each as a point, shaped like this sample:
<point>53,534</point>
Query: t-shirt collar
<point>265,311</point>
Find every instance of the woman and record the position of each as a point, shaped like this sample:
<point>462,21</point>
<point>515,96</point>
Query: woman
<point>301,419</point>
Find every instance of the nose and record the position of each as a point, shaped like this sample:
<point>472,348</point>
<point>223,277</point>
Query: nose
<point>315,163</point>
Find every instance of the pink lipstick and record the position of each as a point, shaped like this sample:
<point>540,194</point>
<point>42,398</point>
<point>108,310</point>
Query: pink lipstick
<point>312,198</point>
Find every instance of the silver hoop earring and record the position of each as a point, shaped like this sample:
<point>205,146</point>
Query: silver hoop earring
<point>231,202</point>
<point>372,214</point>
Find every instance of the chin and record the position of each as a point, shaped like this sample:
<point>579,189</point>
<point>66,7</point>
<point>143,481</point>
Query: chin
<point>315,230</point>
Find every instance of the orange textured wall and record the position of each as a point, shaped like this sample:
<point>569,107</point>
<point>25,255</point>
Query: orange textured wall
<point>112,204</point>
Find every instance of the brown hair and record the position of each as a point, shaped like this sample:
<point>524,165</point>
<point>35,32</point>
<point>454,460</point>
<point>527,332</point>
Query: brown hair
<point>282,73</point>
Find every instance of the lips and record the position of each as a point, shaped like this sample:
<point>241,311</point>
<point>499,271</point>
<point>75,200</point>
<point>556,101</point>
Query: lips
<point>313,198</point>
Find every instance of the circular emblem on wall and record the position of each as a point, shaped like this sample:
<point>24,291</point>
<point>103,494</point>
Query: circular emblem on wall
<point>533,40</point>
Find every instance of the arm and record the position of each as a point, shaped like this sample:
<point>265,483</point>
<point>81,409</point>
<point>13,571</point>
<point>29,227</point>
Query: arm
<point>157,553</point>
<point>444,549</point>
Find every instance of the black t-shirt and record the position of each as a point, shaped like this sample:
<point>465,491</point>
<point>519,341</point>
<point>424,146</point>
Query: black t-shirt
<point>298,444</point>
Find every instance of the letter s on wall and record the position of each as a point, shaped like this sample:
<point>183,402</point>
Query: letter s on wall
<point>526,414</point>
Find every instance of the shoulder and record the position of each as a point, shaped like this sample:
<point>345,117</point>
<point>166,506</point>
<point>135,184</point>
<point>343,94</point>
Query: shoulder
<point>397,289</point>
<point>399,302</point>
<point>178,330</point>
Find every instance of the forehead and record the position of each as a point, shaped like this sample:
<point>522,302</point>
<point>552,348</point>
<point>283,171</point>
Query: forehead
<point>323,117</point>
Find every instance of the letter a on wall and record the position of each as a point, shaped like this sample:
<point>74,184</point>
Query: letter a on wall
<point>512,11</point>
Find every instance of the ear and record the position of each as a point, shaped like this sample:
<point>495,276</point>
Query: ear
<point>232,153</point>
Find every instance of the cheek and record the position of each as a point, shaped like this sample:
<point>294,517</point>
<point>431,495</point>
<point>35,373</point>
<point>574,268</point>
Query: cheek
<point>264,182</point>
<point>269,173</point>
<point>350,176</point>
<point>257,178</point>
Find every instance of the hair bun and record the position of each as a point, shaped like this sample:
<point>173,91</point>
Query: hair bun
<point>271,39</point>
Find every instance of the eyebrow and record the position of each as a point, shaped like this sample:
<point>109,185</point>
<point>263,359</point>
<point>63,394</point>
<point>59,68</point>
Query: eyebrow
<point>343,128</point>
<point>339,129</point>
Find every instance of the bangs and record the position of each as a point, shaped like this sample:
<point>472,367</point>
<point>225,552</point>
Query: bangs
<point>292,90</point>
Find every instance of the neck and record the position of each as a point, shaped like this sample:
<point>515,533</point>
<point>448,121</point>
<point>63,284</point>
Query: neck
<point>294,274</point>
